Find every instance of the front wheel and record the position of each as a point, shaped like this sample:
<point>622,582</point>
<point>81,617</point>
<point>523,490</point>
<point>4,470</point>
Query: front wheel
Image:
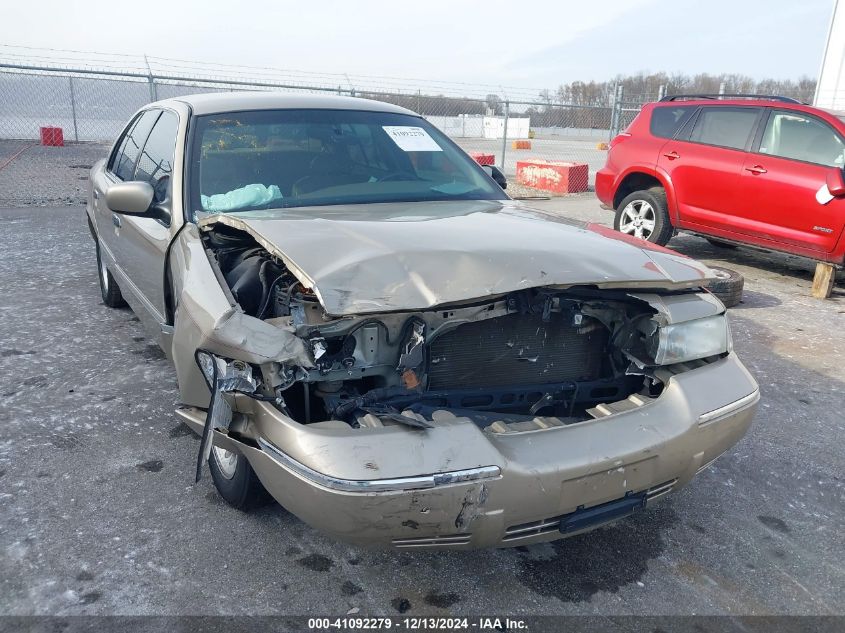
<point>108,286</point>
<point>644,214</point>
<point>235,480</point>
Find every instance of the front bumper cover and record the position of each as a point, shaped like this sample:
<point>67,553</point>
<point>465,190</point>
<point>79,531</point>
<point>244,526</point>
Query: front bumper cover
<point>457,486</point>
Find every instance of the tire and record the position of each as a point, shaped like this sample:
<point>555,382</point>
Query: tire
<point>644,214</point>
<point>720,243</point>
<point>236,481</point>
<point>727,286</point>
<point>108,286</point>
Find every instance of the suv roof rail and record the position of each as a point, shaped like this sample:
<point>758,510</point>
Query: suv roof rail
<point>730,96</point>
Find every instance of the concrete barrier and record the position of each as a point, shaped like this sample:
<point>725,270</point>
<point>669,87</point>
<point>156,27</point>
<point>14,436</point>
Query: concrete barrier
<point>483,159</point>
<point>553,175</point>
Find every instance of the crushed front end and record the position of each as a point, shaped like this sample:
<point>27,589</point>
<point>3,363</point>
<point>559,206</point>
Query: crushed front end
<point>519,418</point>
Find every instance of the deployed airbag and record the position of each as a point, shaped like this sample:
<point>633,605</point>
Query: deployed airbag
<point>245,197</point>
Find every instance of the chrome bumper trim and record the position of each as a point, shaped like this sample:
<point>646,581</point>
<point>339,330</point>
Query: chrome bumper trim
<point>420,482</point>
<point>729,409</point>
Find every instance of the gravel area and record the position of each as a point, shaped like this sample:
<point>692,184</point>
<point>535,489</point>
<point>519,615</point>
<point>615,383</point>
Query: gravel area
<point>41,175</point>
<point>101,515</point>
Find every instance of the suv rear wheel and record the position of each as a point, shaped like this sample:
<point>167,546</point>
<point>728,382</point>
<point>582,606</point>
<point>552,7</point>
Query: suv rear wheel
<point>643,214</point>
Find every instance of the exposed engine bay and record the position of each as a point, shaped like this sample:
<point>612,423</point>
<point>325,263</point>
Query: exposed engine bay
<point>527,359</point>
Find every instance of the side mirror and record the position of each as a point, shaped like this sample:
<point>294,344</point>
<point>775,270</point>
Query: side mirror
<point>836,182</point>
<point>134,197</point>
<point>496,174</point>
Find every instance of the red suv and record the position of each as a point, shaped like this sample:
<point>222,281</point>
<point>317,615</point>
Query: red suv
<point>761,171</point>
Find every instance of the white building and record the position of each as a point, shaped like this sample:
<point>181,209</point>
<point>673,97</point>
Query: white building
<point>830,90</point>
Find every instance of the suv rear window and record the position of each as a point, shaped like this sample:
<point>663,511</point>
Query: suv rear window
<point>725,127</point>
<point>667,120</point>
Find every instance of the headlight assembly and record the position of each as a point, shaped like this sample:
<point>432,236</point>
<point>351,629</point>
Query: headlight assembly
<point>700,338</point>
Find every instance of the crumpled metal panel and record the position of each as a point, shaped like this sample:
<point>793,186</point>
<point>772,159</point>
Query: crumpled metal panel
<point>375,258</point>
<point>679,308</point>
<point>205,319</point>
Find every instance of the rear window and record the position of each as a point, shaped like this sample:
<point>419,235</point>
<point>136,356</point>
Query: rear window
<point>667,120</point>
<point>725,127</point>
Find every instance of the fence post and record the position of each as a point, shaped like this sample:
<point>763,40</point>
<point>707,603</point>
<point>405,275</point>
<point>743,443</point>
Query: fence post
<point>151,81</point>
<point>616,114</point>
<point>505,133</point>
<point>73,109</point>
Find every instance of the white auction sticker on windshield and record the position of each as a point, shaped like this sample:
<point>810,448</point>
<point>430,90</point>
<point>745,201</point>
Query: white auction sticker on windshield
<point>411,139</point>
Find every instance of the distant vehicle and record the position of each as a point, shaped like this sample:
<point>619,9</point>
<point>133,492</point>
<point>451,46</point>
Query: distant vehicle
<point>366,326</point>
<point>737,170</point>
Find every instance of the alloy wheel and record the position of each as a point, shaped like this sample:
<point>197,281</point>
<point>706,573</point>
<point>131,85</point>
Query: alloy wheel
<point>638,219</point>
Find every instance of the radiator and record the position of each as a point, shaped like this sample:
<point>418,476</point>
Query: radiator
<point>516,349</point>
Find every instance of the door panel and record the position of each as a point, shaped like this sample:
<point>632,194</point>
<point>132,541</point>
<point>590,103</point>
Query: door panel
<point>706,181</point>
<point>122,162</point>
<point>779,183</point>
<point>779,203</point>
<point>125,237</point>
<point>705,165</point>
<point>144,240</point>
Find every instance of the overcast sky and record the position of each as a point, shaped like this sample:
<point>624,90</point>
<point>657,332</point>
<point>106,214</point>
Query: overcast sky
<point>529,44</point>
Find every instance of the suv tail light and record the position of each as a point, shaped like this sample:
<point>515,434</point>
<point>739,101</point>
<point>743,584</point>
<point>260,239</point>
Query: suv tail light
<point>618,139</point>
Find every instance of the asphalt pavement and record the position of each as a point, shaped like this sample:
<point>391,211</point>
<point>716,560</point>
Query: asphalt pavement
<point>100,514</point>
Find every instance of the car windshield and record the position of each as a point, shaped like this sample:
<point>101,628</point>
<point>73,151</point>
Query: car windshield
<point>275,159</point>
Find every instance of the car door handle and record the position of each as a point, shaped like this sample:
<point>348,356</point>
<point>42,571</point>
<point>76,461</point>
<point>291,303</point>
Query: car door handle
<point>672,155</point>
<point>115,219</point>
<point>756,170</point>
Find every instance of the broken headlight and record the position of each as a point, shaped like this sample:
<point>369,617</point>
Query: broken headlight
<point>700,338</point>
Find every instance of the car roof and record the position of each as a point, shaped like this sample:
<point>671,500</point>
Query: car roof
<point>734,102</point>
<point>755,103</point>
<point>220,102</point>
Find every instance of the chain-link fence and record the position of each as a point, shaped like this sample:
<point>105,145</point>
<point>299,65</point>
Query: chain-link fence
<point>91,106</point>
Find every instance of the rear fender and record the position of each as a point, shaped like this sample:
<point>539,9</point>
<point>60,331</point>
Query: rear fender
<point>662,177</point>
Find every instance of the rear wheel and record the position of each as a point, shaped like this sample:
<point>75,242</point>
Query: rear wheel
<point>108,286</point>
<point>727,286</point>
<point>644,214</point>
<point>235,480</point>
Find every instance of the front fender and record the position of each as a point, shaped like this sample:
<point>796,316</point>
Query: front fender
<point>206,318</point>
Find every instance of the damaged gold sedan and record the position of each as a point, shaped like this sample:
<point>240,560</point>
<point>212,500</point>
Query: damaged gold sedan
<point>365,326</point>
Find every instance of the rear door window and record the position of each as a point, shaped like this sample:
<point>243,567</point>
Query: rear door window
<point>667,120</point>
<point>800,137</point>
<point>125,160</point>
<point>724,126</point>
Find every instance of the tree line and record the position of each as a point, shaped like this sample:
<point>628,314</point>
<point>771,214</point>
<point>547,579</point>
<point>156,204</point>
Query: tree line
<point>643,87</point>
<point>588,104</point>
